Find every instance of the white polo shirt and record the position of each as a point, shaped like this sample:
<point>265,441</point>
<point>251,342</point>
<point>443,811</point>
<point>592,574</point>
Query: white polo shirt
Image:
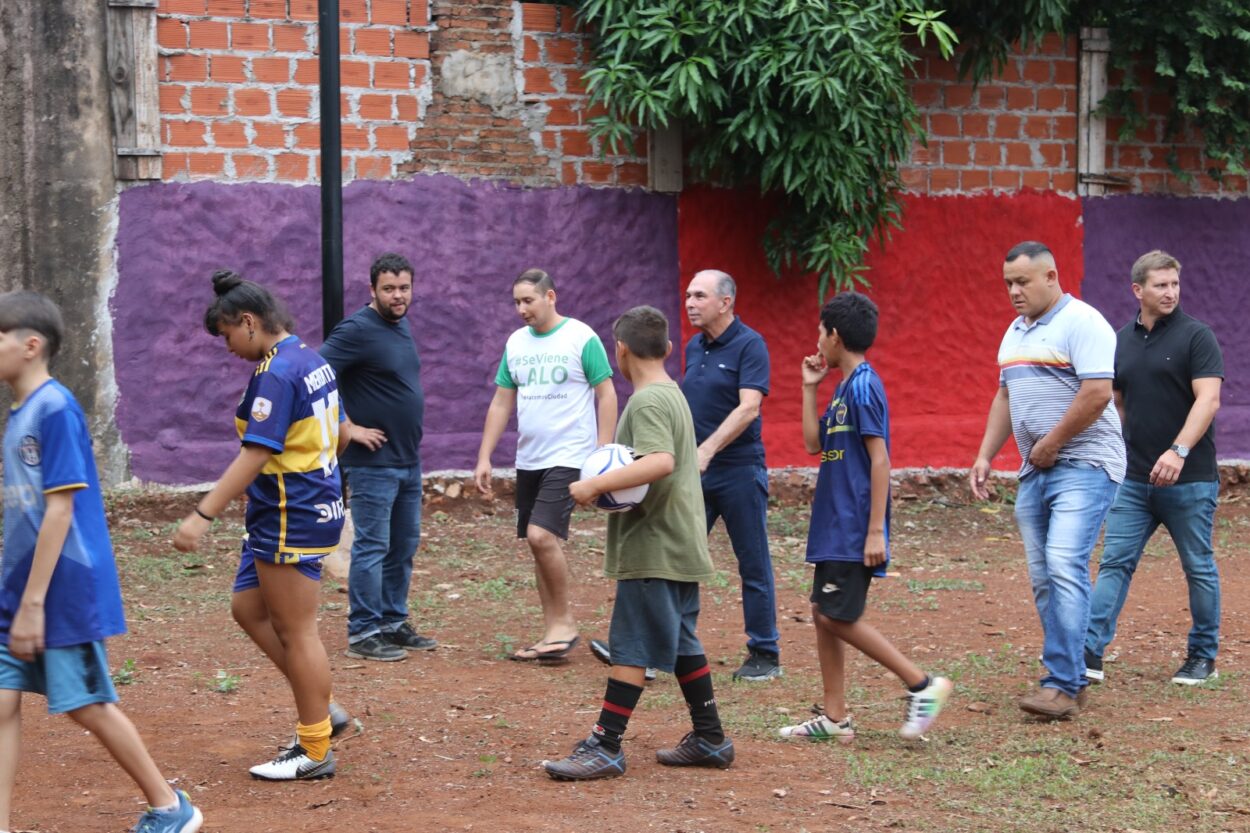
<point>1042,366</point>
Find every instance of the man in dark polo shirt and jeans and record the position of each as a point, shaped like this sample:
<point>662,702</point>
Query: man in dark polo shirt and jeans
<point>1168,372</point>
<point>725,383</point>
<point>379,376</point>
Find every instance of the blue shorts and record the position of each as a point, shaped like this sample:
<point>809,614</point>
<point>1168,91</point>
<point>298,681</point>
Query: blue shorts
<point>653,623</point>
<point>246,578</point>
<point>71,677</point>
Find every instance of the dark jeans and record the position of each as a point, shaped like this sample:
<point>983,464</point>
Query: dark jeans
<point>739,494</point>
<point>386,511</point>
<point>1187,510</point>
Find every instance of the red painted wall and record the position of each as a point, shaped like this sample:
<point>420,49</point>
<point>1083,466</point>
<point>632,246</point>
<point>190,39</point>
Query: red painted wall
<point>943,311</point>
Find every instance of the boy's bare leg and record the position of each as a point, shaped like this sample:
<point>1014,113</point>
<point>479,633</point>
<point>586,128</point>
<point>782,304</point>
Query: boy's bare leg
<point>832,654</point>
<point>629,674</point>
<point>869,641</point>
<point>551,573</point>
<point>291,599</point>
<point>10,747</point>
<point>118,735</point>
<point>248,609</point>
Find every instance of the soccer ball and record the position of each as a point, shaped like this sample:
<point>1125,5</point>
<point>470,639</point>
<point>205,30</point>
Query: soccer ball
<point>608,458</point>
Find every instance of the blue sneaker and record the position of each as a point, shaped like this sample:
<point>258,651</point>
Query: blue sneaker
<point>186,819</point>
<point>590,759</point>
<point>693,750</point>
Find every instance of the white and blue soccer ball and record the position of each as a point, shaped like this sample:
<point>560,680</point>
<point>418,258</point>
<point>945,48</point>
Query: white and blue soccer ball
<point>607,458</point>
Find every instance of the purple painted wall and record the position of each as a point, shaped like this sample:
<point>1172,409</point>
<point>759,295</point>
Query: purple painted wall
<point>1211,239</point>
<point>607,249</point>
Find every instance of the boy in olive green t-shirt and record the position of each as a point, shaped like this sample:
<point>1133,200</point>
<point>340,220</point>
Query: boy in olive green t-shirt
<point>657,552</point>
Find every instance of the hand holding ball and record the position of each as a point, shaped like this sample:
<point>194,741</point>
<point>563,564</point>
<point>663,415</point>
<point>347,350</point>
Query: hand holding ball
<point>608,458</point>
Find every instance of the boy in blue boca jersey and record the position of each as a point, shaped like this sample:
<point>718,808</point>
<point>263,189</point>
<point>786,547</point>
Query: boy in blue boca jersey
<point>59,595</point>
<point>657,553</point>
<point>849,536</point>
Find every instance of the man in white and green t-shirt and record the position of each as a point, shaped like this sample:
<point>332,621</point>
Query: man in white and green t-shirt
<point>553,372</point>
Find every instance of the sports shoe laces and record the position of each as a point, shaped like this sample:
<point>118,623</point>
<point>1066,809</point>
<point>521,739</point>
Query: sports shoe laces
<point>1191,667</point>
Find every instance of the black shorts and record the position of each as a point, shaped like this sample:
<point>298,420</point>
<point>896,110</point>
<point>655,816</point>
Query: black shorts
<point>840,589</point>
<point>543,499</point>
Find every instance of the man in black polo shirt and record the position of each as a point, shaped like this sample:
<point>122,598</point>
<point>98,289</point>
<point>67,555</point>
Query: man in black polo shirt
<point>379,376</point>
<point>1168,372</point>
<point>726,380</point>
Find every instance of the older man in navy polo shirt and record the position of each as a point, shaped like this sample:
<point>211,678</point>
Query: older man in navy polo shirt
<point>725,382</point>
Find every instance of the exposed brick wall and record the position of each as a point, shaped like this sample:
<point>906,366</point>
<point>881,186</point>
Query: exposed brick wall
<point>496,89</point>
<point>1017,130</point>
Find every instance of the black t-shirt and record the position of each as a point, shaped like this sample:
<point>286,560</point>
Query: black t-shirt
<point>379,376</point>
<point>1154,371</point>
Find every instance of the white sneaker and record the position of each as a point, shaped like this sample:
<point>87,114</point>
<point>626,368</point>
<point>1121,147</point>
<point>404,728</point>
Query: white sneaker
<point>294,765</point>
<point>923,707</point>
<point>821,728</point>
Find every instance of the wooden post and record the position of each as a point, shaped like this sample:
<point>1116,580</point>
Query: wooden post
<point>1091,139</point>
<point>664,160</point>
<point>132,72</point>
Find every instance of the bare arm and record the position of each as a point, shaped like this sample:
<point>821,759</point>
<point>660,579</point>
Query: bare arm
<point>997,430</point>
<point>731,428</point>
<point>26,634</point>
<point>605,399</point>
<point>1167,468</point>
<point>879,461</point>
<point>1091,400</point>
<point>370,438</point>
<point>814,371</point>
<point>496,421</point>
<point>646,469</point>
<point>1119,404</point>
<point>234,482</point>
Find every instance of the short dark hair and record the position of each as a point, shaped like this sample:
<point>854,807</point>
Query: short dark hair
<point>540,279</point>
<point>1030,249</point>
<point>854,316</point>
<point>389,262</point>
<point>644,330</point>
<point>22,309</point>
<point>236,296</point>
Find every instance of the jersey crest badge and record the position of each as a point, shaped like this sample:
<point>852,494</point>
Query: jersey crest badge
<point>28,450</point>
<point>839,415</point>
<point>261,409</point>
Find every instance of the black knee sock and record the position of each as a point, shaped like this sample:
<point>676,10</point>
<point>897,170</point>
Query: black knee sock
<point>916,689</point>
<point>618,704</point>
<point>695,678</point>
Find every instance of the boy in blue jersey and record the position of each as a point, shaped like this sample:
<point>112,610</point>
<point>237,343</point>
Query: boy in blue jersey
<point>59,595</point>
<point>849,536</point>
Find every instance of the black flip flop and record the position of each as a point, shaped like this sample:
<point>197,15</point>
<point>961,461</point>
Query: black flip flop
<point>549,656</point>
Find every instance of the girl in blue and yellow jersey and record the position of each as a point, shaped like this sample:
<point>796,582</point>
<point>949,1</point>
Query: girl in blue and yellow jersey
<point>288,424</point>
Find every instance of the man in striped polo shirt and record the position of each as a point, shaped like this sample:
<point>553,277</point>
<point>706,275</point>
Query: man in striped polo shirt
<point>1056,364</point>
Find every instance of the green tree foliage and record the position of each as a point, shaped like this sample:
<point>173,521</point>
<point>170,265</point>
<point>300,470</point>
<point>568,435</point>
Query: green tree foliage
<point>1194,54</point>
<point>805,99</point>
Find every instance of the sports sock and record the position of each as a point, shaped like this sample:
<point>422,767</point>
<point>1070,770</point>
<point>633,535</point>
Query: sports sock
<point>618,704</point>
<point>169,808</point>
<point>919,687</point>
<point>695,678</point>
<point>315,738</point>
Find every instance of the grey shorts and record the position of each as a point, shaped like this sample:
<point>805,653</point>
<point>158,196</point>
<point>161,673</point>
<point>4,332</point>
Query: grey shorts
<point>543,499</point>
<point>653,623</point>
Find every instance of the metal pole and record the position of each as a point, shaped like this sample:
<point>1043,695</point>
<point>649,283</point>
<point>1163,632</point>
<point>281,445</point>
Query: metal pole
<point>331,167</point>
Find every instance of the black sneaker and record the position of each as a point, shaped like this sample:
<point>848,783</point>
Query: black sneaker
<point>693,750</point>
<point>377,649</point>
<point>760,666</point>
<point>406,637</point>
<point>1093,667</point>
<point>1196,671</point>
<point>603,653</point>
<point>590,759</point>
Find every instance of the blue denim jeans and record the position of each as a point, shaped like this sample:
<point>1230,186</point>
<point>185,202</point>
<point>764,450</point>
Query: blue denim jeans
<point>386,511</point>
<point>1187,510</point>
<point>739,494</point>
<point>1060,511</point>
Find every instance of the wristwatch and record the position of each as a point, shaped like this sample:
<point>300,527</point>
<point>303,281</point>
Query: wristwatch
<point>1182,451</point>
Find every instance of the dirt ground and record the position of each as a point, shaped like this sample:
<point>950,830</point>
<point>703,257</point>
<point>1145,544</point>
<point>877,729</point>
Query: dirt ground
<point>452,740</point>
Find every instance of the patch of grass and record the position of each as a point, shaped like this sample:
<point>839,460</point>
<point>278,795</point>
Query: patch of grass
<point>126,673</point>
<point>923,585</point>
<point>225,682</point>
<point>908,603</point>
<point>499,588</point>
